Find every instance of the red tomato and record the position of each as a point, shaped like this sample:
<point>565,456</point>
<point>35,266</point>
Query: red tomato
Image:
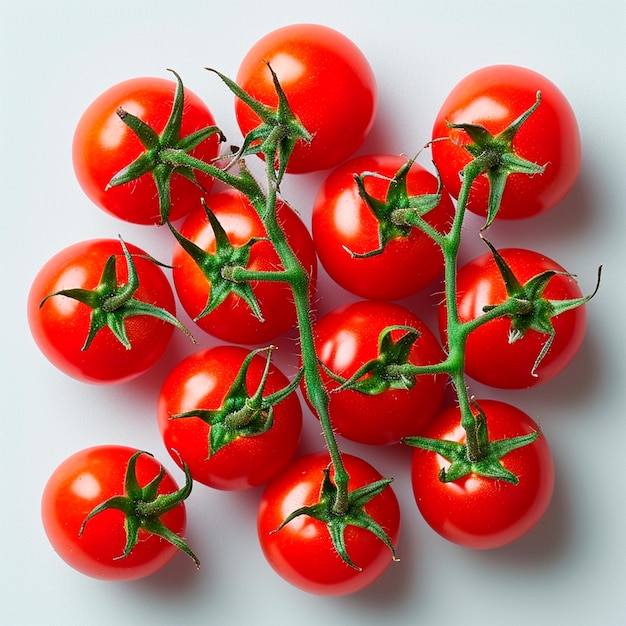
<point>87,479</point>
<point>233,320</point>
<point>202,381</point>
<point>478,512</point>
<point>103,145</point>
<point>342,223</point>
<point>489,357</point>
<point>328,82</point>
<point>494,97</point>
<point>302,551</point>
<point>60,327</point>
<point>348,337</point>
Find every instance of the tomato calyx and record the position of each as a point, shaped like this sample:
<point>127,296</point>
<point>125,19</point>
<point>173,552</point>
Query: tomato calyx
<point>241,414</point>
<point>399,213</point>
<point>143,507</point>
<point>278,133</point>
<point>481,458</point>
<point>354,515</point>
<point>527,308</point>
<point>391,369</point>
<point>169,140</point>
<point>112,304</point>
<point>218,268</point>
<point>494,156</point>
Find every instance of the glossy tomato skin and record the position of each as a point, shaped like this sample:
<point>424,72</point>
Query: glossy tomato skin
<point>328,82</point>
<point>103,145</point>
<point>489,357</point>
<point>345,339</point>
<point>201,381</point>
<point>342,223</point>
<point>494,97</point>
<point>233,321</point>
<point>61,326</point>
<point>302,552</point>
<point>82,482</point>
<point>477,512</point>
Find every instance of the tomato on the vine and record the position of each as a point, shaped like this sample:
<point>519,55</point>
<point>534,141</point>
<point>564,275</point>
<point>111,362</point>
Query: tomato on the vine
<point>346,230</point>
<point>494,97</point>
<point>234,320</point>
<point>483,512</point>
<point>104,145</point>
<point>349,337</point>
<point>95,342</point>
<point>248,453</point>
<point>329,85</point>
<point>95,543</point>
<point>491,357</point>
<point>302,551</point>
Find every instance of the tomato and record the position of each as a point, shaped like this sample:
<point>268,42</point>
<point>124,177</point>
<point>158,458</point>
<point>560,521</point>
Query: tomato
<point>494,97</point>
<point>490,358</point>
<point>233,320</point>
<point>328,82</point>
<point>61,325</point>
<point>343,223</point>
<point>302,551</point>
<point>103,145</point>
<point>479,512</point>
<point>345,340</point>
<point>202,382</point>
<point>82,482</point>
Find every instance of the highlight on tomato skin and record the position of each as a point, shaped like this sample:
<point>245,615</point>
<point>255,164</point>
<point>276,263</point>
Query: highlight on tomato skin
<point>478,512</point>
<point>329,84</point>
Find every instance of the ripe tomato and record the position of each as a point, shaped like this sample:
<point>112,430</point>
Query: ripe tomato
<point>478,512</point>
<point>302,551</point>
<point>494,97</point>
<point>103,145</point>
<point>489,357</point>
<point>328,82</point>
<point>233,319</point>
<point>202,381</point>
<point>342,223</point>
<point>61,325</point>
<point>87,479</point>
<point>347,338</point>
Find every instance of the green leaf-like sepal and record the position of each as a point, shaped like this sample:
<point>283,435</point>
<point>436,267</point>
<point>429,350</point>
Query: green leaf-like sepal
<point>494,156</point>
<point>386,370</point>
<point>355,515</point>
<point>169,141</point>
<point>242,414</point>
<point>526,306</point>
<point>216,267</point>
<point>143,507</point>
<point>112,304</point>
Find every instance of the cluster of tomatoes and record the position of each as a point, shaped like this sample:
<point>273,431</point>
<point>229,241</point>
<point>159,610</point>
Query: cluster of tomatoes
<point>103,311</point>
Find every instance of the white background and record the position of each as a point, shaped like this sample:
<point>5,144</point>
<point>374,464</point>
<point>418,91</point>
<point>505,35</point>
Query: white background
<point>58,56</point>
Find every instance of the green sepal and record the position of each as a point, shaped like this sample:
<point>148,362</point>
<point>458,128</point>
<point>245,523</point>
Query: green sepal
<point>112,304</point>
<point>528,309</point>
<point>278,132</point>
<point>215,267</point>
<point>494,157</point>
<point>143,507</point>
<point>385,371</point>
<point>355,515</point>
<point>488,460</point>
<point>169,140</point>
<point>399,213</point>
<point>240,414</point>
